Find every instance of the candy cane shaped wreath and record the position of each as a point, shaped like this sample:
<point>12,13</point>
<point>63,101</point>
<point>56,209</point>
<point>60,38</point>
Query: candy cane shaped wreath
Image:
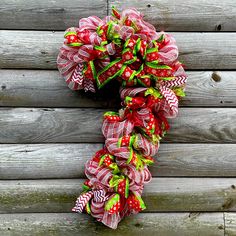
<point>123,47</point>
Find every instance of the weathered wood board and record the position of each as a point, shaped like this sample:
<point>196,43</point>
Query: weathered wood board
<point>46,88</point>
<point>43,88</point>
<point>48,161</point>
<point>172,224</point>
<point>230,224</point>
<point>39,49</point>
<point>47,14</point>
<point>160,195</point>
<point>59,125</point>
<point>213,15</point>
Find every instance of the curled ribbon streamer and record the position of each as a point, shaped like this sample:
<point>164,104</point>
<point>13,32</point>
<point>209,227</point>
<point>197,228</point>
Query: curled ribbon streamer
<point>126,48</point>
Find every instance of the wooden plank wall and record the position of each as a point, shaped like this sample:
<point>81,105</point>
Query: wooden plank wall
<point>47,132</point>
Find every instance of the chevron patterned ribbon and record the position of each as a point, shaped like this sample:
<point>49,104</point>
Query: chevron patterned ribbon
<point>83,199</point>
<point>172,101</point>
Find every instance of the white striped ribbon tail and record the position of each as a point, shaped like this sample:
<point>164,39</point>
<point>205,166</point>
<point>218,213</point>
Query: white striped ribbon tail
<point>81,201</point>
<point>171,99</point>
<point>89,85</point>
<point>78,76</point>
<point>100,195</point>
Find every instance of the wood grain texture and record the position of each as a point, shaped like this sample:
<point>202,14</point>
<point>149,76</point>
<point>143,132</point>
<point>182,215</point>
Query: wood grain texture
<point>57,125</point>
<point>177,16</point>
<point>39,49</point>
<point>29,49</point>
<point>48,161</point>
<point>188,15</point>
<point>165,224</point>
<point>47,14</point>
<point>46,88</point>
<point>203,125</point>
<point>160,195</point>
<point>210,88</point>
<point>43,88</point>
<point>230,224</point>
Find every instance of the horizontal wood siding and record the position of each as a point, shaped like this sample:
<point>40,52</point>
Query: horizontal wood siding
<point>197,15</point>
<point>42,161</point>
<point>69,224</point>
<point>48,14</point>
<point>160,195</point>
<point>39,49</point>
<point>59,125</point>
<point>46,88</point>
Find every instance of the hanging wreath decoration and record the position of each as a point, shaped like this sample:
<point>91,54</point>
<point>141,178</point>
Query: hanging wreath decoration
<point>123,47</point>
